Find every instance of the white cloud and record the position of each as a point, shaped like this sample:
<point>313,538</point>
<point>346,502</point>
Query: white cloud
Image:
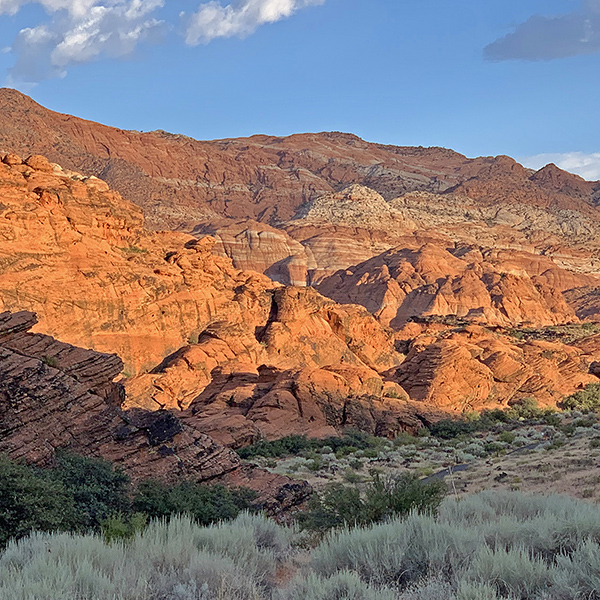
<point>79,31</point>
<point>214,20</point>
<point>545,38</point>
<point>585,165</point>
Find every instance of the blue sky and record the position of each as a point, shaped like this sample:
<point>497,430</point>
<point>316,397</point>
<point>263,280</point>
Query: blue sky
<point>517,77</point>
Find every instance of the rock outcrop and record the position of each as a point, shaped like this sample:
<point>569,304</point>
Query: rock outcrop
<point>77,255</point>
<point>179,181</point>
<point>471,368</point>
<point>98,278</point>
<point>54,395</point>
<point>493,288</point>
<point>425,239</point>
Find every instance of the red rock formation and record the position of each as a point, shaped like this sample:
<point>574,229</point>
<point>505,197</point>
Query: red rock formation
<point>179,181</point>
<point>77,254</point>
<point>98,278</point>
<point>493,288</point>
<point>302,336</point>
<point>54,395</point>
<point>472,368</point>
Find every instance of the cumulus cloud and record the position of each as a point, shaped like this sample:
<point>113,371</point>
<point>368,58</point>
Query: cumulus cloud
<point>79,31</point>
<point>214,20</point>
<point>547,38</point>
<point>585,165</point>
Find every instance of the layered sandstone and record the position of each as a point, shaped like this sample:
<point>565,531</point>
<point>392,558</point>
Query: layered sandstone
<point>494,288</point>
<point>57,396</point>
<point>97,277</point>
<point>78,255</point>
<point>180,181</point>
<point>471,368</point>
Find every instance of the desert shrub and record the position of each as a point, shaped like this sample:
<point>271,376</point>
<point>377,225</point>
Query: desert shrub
<point>175,560</point>
<point>291,445</point>
<point>437,589</point>
<point>579,572</point>
<point>507,436</point>
<point>250,540</point>
<point>405,439</point>
<point>488,546</point>
<point>586,400</point>
<point>83,495</point>
<point>205,503</point>
<point>398,553</point>
<point>340,505</point>
<point>514,573</point>
<point>342,586</point>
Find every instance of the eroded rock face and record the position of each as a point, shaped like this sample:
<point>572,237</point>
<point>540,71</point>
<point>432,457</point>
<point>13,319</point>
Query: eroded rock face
<point>471,368</point>
<point>258,247</point>
<point>78,255</point>
<point>179,181</point>
<point>464,282</point>
<point>54,395</point>
<point>302,332</point>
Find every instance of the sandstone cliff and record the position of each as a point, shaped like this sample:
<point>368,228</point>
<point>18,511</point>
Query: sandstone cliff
<point>54,395</point>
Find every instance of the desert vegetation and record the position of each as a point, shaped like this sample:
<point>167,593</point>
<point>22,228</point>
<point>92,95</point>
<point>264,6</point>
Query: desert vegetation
<point>84,495</point>
<point>489,546</point>
<point>389,519</point>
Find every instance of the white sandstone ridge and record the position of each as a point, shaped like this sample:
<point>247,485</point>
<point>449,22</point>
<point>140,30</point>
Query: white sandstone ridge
<point>355,206</point>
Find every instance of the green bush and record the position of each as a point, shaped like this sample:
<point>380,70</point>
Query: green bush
<point>29,500</point>
<point>119,527</point>
<point>340,505</point>
<point>77,494</point>
<point>293,445</point>
<point>448,429</point>
<point>526,408</point>
<point>586,400</point>
<point>97,488</point>
<point>205,503</point>
<point>83,495</point>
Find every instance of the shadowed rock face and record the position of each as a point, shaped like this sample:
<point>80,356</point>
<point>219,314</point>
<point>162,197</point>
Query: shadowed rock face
<point>54,395</point>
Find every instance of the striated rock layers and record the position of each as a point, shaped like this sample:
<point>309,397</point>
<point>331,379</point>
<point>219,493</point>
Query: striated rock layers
<point>496,288</point>
<point>78,255</point>
<point>179,181</point>
<point>340,230</point>
<point>470,368</point>
<point>54,395</point>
